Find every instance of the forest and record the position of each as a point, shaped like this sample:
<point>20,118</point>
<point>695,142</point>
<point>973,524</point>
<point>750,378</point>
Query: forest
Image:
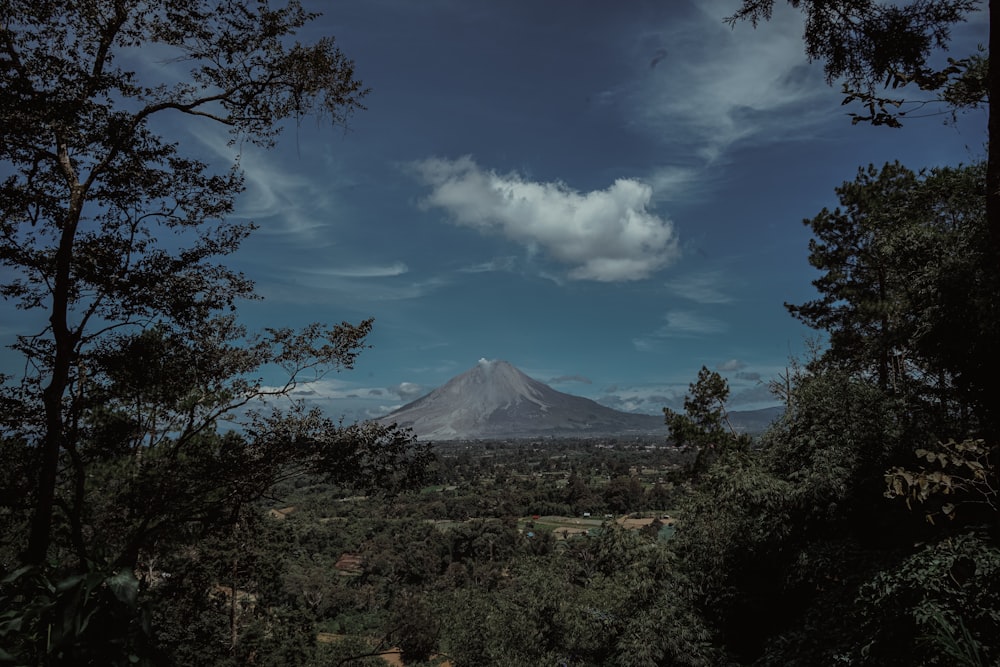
<point>138,526</point>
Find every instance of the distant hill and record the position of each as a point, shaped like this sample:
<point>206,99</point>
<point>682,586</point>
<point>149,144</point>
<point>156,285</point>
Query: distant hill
<point>495,400</point>
<point>754,421</point>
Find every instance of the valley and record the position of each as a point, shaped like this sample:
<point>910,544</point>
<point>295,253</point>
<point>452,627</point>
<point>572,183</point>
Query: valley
<point>386,574</point>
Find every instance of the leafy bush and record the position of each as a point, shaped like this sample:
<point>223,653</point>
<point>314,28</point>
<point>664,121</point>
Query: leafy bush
<point>940,606</point>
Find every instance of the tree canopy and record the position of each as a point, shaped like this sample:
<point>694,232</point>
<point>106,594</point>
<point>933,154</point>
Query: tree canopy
<point>114,234</point>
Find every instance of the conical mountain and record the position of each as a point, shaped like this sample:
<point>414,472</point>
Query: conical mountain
<point>494,399</point>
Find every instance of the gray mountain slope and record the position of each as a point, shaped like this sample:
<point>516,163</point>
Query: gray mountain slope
<point>494,399</point>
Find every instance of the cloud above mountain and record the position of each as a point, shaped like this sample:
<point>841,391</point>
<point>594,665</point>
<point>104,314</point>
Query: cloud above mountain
<point>608,235</point>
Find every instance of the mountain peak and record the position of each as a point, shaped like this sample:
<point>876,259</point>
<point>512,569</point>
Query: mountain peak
<point>494,399</point>
<point>490,367</point>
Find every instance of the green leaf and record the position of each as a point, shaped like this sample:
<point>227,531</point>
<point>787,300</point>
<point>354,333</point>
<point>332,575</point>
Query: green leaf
<point>125,587</point>
<point>70,582</point>
<point>16,574</point>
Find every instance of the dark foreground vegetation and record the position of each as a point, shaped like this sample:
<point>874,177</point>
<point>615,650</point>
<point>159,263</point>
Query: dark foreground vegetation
<point>137,528</point>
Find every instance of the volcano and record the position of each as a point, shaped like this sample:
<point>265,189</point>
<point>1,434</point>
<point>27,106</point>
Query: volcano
<point>495,400</point>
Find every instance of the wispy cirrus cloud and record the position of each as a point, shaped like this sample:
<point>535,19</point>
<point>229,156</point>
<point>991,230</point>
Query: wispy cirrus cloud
<point>717,86</point>
<point>687,323</point>
<point>702,287</point>
<point>358,283</point>
<point>295,205</point>
<point>370,271</point>
<point>608,235</point>
<point>680,324</point>
<point>679,182</point>
<point>316,286</point>
<point>507,263</point>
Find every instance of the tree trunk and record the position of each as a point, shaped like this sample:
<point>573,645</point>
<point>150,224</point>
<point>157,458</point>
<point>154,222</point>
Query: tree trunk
<point>41,520</point>
<point>40,534</point>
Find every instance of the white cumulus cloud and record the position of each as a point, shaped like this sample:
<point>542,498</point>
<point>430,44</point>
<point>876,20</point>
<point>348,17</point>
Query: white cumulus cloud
<point>606,235</point>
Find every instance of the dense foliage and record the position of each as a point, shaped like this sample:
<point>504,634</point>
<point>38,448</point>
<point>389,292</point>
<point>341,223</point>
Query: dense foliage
<point>862,528</point>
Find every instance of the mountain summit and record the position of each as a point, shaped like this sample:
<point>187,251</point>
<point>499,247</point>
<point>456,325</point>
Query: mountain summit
<point>494,399</point>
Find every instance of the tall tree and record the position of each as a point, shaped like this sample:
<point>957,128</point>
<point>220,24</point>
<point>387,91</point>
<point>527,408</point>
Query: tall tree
<point>107,228</point>
<point>905,289</point>
<point>861,289</point>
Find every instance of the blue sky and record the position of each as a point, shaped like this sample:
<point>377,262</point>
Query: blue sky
<point>606,195</point>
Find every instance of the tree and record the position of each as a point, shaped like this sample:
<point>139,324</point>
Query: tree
<point>705,424</point>
<point>577,494</point>
<point>860,305</point>
<point>114,234</point>
<point>414,628</point>
<point>874,45</point>
<point>623,494</point>
<point>111,231</point>
<point>904,261</point>
<point>601,600</point>
<point>951,281</point>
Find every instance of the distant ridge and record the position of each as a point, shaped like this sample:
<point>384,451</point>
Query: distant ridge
<point>495,400</point>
